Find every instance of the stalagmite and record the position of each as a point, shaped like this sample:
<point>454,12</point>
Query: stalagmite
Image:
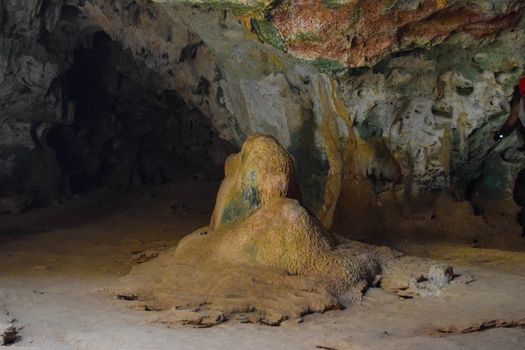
<point>263,254</point>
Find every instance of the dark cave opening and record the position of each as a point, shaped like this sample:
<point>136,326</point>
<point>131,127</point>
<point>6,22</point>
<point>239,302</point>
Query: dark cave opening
<point>121,126</point>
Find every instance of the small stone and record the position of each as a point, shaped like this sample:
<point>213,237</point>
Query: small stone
<point>9,331</point>
<point>9,335</point>
<point>146,255</point>
<point>440,275</point>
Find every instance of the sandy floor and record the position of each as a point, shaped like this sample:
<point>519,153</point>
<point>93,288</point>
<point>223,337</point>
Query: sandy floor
<point>56,263</point>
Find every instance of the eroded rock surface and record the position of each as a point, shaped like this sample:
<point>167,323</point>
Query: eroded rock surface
<point>263,256</point>
<point>89,99</point>
<point>426,84</point>
<point>436,116</point>
<point>184,60</point>
<point>373,100</point>
<point>358,33</point>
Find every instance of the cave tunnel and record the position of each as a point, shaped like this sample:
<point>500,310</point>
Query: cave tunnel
<point>262,175</point>
<point>121,129</point>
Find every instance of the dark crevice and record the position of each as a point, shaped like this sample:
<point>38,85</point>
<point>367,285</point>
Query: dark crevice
<point>121,127</point>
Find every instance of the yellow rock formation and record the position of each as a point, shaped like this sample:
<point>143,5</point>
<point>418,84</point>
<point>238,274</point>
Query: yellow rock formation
<point>263,254</point>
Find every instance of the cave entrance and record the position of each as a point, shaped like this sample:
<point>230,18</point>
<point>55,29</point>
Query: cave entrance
<point>122,126</point>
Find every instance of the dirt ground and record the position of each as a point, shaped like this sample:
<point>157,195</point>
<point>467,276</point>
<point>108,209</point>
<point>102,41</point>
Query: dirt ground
<point>56,265</point>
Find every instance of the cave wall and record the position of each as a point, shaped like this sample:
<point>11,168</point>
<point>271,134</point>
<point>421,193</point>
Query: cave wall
<point>426,84</point>
<point>410,91</point>
<point>204,55</point>
<point>401,96</point>
<point>89,99</point>
<point>256,88</point>
<point>435,111</point>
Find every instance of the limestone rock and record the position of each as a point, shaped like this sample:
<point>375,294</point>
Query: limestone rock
<point>440,275</point>
<point>398,96</point>
<point>196,317</point>
<point>436,117</point>
<point>251,181</point>
<point>9,329</point>
<point>263,254</point>
<point>361,33</point>
<point>73,76</point>
<point>196,69</point>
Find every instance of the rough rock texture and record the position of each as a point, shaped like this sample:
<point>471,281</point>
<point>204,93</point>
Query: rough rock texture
<point>358,33</point>
<point>203,55</point>
<point>259,89</point>
<point>88,99</point>
<point>252,181</point>
<point>436,116</point>
<point>361,33</point>
<point>175,75</point>
<point>437,83</point>
<point>440,77</point>
<point>263,254</point>
<point>9,330</point>
<point>440,275</point>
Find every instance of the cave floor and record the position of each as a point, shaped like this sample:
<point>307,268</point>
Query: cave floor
<point>56,263</point>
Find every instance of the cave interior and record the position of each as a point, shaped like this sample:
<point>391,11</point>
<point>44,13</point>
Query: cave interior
<point>166,167</point>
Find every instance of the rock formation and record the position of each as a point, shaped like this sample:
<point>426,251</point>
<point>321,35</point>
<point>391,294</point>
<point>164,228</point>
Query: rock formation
<point>361,33</point>
<point>263,255</point>
<point>379,116</point>
<point>88,100</point>
<point>206,58</point>
<point>372,99</point>
<point>429,81</point>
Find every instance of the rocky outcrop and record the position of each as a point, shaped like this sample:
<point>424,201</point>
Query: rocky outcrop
<point>427,83</point>
<point>256,88</point>
<point>437,82</point>
<point>361,33</point>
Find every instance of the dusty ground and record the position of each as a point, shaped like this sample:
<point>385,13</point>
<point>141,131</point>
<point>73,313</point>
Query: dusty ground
<point>55,264</point>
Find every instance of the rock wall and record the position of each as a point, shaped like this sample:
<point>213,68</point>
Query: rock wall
<point>426,83</point>
<point>361,33</point>
<point>399,96</point>
<point>256,88</point>
<point>435,111</point>
<point>204,55</point>
<point>89,98</point>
